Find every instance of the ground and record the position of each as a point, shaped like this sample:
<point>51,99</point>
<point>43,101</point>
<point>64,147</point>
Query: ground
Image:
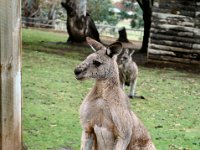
<point>52,96</point>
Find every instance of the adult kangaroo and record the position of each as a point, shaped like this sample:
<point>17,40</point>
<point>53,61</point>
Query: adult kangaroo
<point>128,72</point>
<point>105,115</point>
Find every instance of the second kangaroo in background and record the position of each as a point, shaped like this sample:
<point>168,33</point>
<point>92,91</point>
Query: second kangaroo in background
<point>128,72</point>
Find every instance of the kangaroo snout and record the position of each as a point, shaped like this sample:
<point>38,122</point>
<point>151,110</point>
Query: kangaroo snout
<point>80,72</point>
<point>77,71</point>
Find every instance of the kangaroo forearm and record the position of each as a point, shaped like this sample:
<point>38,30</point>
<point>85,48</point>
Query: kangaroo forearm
<point>87,141</point>
<point>121,144</point>
<point>89,144</point>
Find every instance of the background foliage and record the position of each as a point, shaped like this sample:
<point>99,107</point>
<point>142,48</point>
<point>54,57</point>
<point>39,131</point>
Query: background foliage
<point>135,16</point>
<point>100,10</point>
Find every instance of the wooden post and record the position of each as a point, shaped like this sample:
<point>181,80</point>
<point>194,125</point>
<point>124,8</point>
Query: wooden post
<point>10,79</point>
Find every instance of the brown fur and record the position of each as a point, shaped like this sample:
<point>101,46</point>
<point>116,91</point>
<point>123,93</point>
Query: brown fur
<point>106,119</point>
<point>128,71</point>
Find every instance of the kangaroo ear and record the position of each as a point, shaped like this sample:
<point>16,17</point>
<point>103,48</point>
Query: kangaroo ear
<point>63,4</point>
<point>94,44</point>
<point>126,51</point>
<point>114,49</point>
<point>133,51</point>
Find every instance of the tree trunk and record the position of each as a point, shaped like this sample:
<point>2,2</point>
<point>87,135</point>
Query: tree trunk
<point>122,35</point>
<point>79,23</point>
<point>147,25</point>
<point>146,6</point>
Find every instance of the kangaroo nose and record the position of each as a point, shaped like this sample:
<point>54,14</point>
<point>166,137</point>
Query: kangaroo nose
<point>77,71</point>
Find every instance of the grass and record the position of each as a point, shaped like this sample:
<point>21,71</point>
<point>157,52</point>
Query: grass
<point>52,96</point>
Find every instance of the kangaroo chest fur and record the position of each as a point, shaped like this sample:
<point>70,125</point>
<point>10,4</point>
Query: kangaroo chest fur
<point>96,112</point>
<point>96,118</point>
<point>125,73</point>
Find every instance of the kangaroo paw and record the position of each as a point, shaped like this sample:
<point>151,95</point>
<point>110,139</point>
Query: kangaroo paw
<point>131,96</point>
<point>142,97</point>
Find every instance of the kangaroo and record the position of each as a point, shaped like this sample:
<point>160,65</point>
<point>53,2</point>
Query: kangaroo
<point>128,72</point>
<point>105,115</point>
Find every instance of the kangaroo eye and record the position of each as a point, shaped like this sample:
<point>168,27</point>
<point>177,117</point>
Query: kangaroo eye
<point>96,63</point>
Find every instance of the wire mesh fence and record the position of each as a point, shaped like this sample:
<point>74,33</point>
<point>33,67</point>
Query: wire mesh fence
<point>59,25</point>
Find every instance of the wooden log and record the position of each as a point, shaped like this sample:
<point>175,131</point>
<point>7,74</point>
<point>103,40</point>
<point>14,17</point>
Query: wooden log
<point>172,43</point>
<point>10,78</point>
<point>174,28</point>
<point>173,17</point>
<point>179,2</point>
<point>174,38</point>
<point>156,21</point>
<point>176,12</point>
<point>196,46</point>
<point>173,59</point>
<point>170,59</point>
<point>197,20</point>
<point>167,27</point>
<point>173,49</point>
<point>197,8</point>
<point>174,64</point>
<point>160,52</point>
<point>192,56</point>
<point>197,35</point>
<point>197,13</point>
<point>195,62</point>
<point>197,25</point>
<point>177,6</point>
<point>172,32</point>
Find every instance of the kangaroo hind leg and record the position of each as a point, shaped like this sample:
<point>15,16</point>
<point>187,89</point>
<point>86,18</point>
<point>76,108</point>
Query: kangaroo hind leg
<point>132,88</point>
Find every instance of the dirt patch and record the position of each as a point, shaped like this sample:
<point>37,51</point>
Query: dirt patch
<point>136,45</point>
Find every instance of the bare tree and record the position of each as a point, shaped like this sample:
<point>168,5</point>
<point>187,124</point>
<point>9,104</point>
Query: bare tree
<point>79,23</point>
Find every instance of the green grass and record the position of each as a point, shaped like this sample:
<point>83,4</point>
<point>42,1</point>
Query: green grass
<point>52,96</point>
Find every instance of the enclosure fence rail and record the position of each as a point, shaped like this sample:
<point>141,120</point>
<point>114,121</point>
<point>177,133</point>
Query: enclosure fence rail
<point>60,25</point>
